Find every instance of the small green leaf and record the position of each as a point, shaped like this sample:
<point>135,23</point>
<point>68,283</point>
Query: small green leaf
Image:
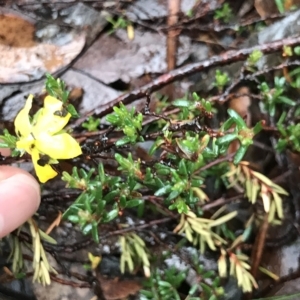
<point>182,168</point>
<point>111,215</point>
<point>122,201</point>
<point>3,145</point>
<point>287,100</point>
<point>258,127</point>
<point>163,191</point>
<point>162,170</point>
<point>112,195</point>
<point>87,229</point>
<point>134,203</point>
<point>125,140</point>
<point>156,145</point>
<point>223,219</point>
<point>240,154</point>
<point>280,6</point>
<point>181,103</point>
<point>173,195</point>
<point>91,124</point>
<point>71,109</point>
<point>237,118</point>
<point>74,218</point>
<point>95,234</point>
<point>226,138</point>
<point>297,50</point>
<point>47,238</point>
<point>112,119</point>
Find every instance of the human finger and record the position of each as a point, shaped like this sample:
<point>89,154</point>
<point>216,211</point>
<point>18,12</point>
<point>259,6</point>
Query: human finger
<point>19,198</point>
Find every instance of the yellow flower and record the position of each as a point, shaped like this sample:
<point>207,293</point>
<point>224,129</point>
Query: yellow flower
<point>43,137</point>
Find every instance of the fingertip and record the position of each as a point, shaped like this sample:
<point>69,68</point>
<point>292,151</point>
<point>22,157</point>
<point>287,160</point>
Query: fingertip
<point>9,171</point>
<point>5,151</point>
<point>34,191</point>
<point>19,199</point>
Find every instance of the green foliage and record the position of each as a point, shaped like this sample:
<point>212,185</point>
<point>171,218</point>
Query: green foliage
<point>221,80</point>
<point>239,268</point>
<point>257,185</point>
<point>192,104</point>
<point>129,122</point>
<point>129,166</point>
<point>280,5</point>
<point>134,253</point>
<point>117,24</point>
<point>290,135</point>
<point>89,208</point>
<point>102,198</point>
<point>297,50</point>
<point>178,183</point>
<point>180,187</point>
<point>287,51</point>
<point>241,132</point>
<point>164,284</point>
<point>57,88</point>
<point>199,230</point>
<point>41,266</point>
<point>277,102</point>
<point>253,59</point>
<point>9,141</point>
<point>91,124</point>
<point>272,97</point>
<point>224,14</point>
<point>185,152</point>
<point>295,75</point>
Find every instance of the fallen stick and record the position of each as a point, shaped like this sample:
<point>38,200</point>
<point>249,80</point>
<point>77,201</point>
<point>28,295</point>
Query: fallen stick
<point>179,73</point>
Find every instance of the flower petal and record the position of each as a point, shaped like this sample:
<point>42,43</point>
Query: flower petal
<point>22,121</point>
<point>60,146</point>
<point>25,144</point>
<point>44,173</point>
<point>49,123</point>
<point>47,120</point>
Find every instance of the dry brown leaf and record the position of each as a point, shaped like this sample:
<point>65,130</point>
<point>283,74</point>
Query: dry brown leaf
<point>26,64</point>
<point>23,59</point>
<point>55,223</point>
<point>111,59</point>
<point>16,32</point>
<point>241,105</point>
<point>114,289</point>
<point>265,8</point>
<point>289,4</point>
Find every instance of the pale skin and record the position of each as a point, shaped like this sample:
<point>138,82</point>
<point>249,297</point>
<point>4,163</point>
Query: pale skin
<point>19,197</point>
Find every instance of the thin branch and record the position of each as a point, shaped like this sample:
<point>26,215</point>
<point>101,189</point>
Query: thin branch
<point>134,228</point>
<point>172,76</point>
